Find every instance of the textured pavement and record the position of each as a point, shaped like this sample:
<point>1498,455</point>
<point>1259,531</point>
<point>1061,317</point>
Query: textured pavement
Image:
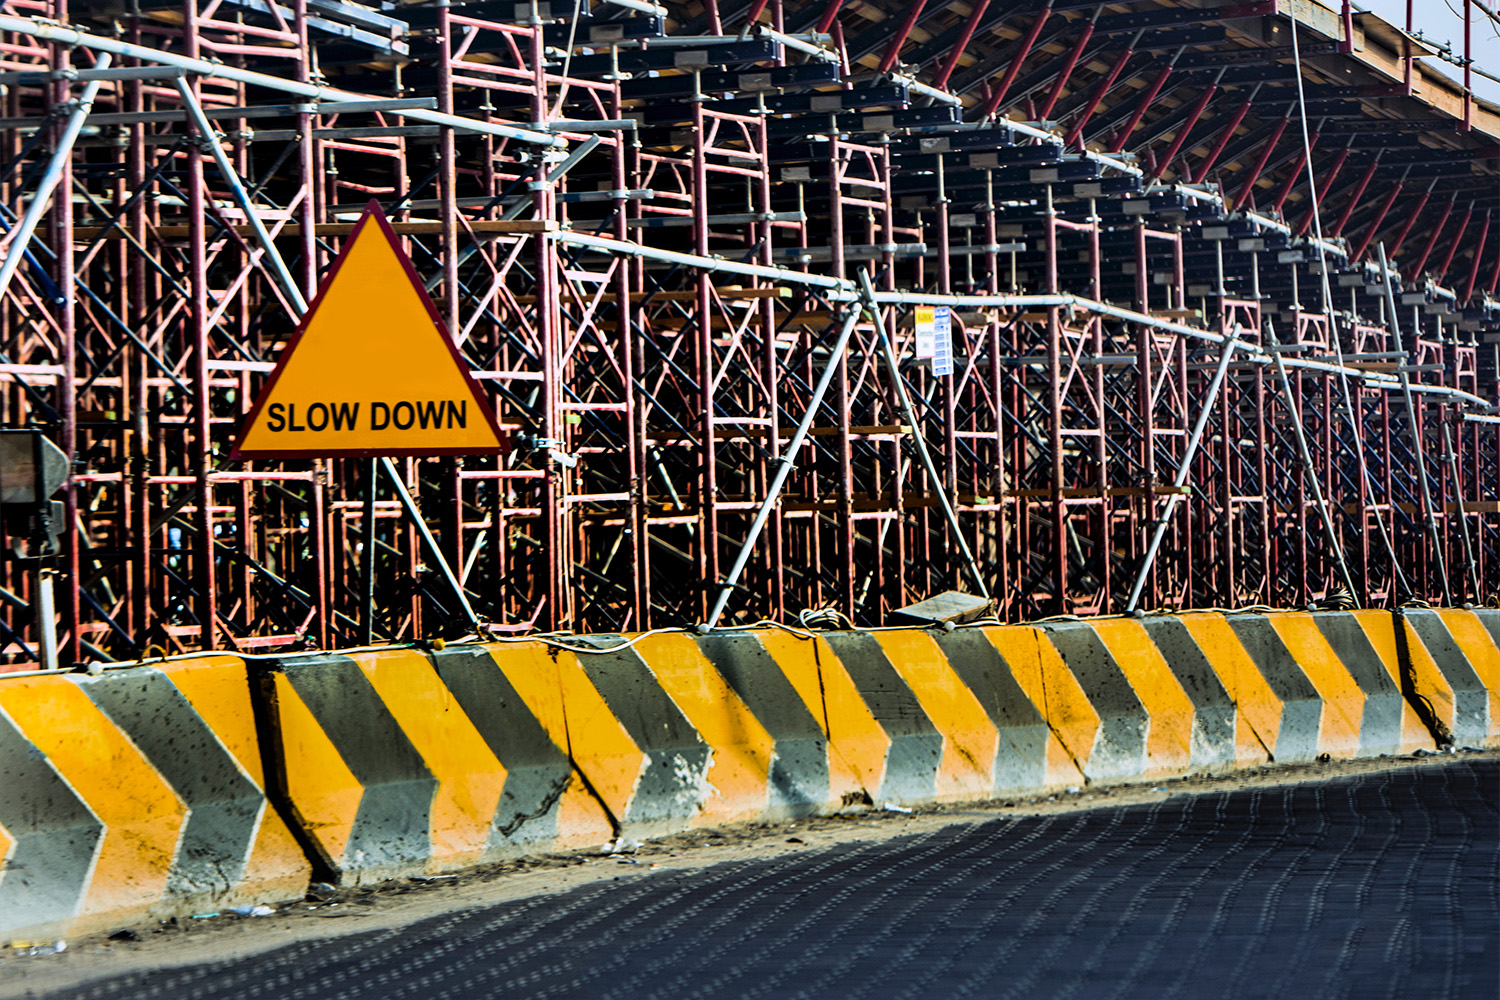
<point>1380,885</point>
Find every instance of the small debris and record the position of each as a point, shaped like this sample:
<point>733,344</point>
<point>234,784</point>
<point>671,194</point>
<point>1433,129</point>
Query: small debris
<point>125,935</point>
<point>32,948</point>
<point>320,892</point>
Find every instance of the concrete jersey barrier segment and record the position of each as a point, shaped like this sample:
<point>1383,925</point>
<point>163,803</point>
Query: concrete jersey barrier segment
<point>1454,661</point>
<point>141,791</point>
<point>134,794</point>
<point>397,763</point>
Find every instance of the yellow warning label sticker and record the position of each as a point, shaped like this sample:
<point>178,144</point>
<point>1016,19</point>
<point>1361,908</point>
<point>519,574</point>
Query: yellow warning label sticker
<point>371,370</point>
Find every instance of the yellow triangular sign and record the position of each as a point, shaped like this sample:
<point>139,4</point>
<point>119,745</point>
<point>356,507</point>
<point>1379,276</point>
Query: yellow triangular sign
<point>371,369</point>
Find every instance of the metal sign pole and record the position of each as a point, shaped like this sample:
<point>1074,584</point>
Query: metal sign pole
<point>367,624</point>
<point>433,551</point>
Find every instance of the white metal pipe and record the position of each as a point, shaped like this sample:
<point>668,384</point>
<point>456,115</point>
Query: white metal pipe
<point>20,237</point>
<point>412,511</point>
<point>116,73</point>
<point>1458,502</point>
<point>639,5</point>
<point>839,289</point>
<point>219,71</point>
<point>812,45</point>
<point>785,467</point>
<point>923,90</point>
<point>920,440</point>
<point>705,263</point>
<point>1305,454</point>
<point>210,140</point>
<point>1184,469</point>
<point>1428,517</point>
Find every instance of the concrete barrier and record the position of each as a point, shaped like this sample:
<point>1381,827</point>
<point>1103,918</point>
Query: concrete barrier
<point>1455,671</point>
<point>1367,648</point>
<point>779,679</point>
<point>388,774</point>
<point>1030,699</point>
<point>1145,717</point>
<point>512,696</point>
<point>134,794</point>
<point>162,789</point>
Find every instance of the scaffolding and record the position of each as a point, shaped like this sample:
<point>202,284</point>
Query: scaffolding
<point>1221,282</point>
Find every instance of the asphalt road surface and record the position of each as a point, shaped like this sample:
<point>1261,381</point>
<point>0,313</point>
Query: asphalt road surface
<point>1375,885</point>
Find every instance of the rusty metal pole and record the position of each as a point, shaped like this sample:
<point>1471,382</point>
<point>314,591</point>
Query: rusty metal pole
<point>1055,418</point>
<point>703,361</point>
<point>1414,428</point>
<point>559,613</point>
<point>205,608</point>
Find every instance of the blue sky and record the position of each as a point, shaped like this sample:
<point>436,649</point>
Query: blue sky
<point>1442,21</point>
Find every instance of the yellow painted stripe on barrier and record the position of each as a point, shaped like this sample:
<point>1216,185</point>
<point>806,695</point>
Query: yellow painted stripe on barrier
<point>1257,710</point>
<point>531,671</point>
<point>1479,649</point>
<point>1380,630</point>
<point>1052,688</point>
<point>1343,701</point>
<point>323,791</point>
<point>217,690</point>
<point>742,749</point>
<point>856,743</point>
<point>7,844</point>
<point>1169,738</point>
<point>142,816</point>
<point>970,739</point>
<point>470,778</point>
<point>601,748</point>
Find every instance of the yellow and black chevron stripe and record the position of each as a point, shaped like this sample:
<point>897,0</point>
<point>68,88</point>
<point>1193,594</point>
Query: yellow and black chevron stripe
<point>1455,665</point>
<point>398,762</point>
<point>133,793</point>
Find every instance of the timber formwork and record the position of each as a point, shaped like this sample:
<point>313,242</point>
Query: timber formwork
<point>1194,366</point>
